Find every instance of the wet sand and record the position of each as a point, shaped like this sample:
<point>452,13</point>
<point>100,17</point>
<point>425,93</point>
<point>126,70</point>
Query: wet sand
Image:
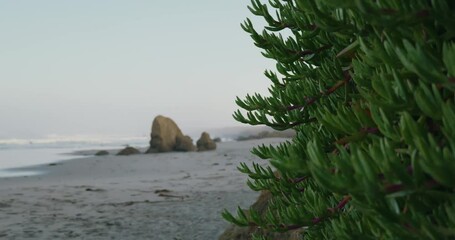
<point>169,196</point>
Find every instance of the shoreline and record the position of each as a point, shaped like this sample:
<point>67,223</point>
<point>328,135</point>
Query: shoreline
<point>177,195</point>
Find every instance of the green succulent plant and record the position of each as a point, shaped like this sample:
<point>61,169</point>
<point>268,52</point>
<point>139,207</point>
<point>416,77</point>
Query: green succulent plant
<point>368,86</point>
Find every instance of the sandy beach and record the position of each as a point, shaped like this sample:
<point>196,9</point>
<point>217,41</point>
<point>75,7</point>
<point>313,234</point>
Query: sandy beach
<point>169,196</point>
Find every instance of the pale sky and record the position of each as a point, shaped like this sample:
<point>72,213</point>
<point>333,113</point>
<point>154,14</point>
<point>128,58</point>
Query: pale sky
<point>109,67</point>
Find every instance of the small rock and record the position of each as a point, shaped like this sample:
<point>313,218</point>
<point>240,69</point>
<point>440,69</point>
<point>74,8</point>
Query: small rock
<point>94,190</point>
<point>102,153</point>
<point>162,191</point>
<point>205,143</point>
<point>128,151</point>
<point>4,205</point>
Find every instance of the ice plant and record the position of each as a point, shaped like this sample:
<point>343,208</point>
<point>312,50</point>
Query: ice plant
<point>369,88</point>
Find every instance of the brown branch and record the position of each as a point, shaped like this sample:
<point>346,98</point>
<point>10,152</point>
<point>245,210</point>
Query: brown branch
<point>390,11</point>
<point>291,125</point>
<point>299,179</point>
<point>370,130</point>
<point>356,136</point>
<point>311,100</point>
<point>331,212</point>
<point>393,188</point>
<point>337,86</point>
<point>341,204</point>
<point>316,220</point>
<point>308,52</point>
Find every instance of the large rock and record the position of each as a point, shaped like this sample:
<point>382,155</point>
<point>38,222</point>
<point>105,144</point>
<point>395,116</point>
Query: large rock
<point>184,144</point>
<point>128,151</point>
<point>244,233</point>
<point>166,136</point>
<point>205,143</point>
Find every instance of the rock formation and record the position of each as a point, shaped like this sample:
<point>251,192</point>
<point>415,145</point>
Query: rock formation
<point>128,151</point>
<point>184,144</point>
<point>102,153</point>
<point>166,136</point>
<point>205,143</point>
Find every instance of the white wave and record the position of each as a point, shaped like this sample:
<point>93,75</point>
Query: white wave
<point>72,140</point>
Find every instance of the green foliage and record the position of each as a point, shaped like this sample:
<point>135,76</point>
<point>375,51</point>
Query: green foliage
<point>369,88</point>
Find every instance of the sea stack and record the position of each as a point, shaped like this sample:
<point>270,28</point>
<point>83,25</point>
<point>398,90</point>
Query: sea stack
<point>205,143</point>
<point>166,136</point>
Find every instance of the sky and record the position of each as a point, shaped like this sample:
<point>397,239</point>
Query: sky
<point>109,67</point>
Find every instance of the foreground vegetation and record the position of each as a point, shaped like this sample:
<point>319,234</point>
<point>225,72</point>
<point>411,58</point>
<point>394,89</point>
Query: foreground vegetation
<point>369,88</point>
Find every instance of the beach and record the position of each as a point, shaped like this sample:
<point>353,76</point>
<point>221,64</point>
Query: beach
<point>169,196</point>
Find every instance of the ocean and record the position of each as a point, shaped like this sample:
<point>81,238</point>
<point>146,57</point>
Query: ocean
<point>17,154</point>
